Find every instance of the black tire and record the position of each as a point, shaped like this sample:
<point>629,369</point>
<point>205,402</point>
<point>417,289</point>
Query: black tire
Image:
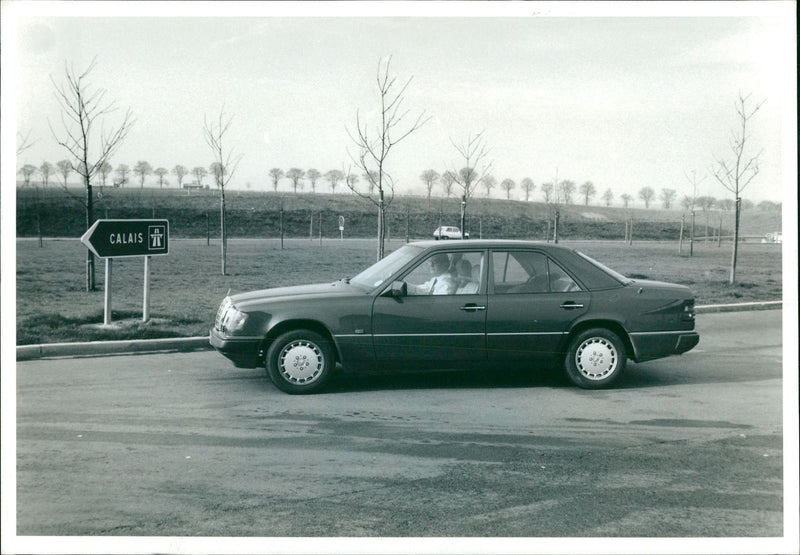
<point>300,361</point>
<point>596,358</point>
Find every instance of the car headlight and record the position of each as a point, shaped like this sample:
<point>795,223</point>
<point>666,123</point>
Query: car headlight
<point>234,320</point>
<point>229,318</point>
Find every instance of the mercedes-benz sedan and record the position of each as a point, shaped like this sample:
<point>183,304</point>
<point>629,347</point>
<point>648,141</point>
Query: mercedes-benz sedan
<point>465,304</point>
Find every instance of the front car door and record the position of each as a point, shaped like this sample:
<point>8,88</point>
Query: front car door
<point>532,304</point>
<point>435,325</point>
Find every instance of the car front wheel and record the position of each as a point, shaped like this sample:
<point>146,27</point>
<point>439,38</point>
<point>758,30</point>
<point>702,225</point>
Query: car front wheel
<point>300,361</point>
<point>596,358</point>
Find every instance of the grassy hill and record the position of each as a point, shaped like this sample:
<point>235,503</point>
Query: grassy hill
<point>60,213</point>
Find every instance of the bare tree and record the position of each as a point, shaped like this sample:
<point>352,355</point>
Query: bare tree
<point>104,170</point>
<point>528,186</point>
<point>180,172</point>
<point>122,171</point>
<point>199,173</point>
<point>142,169</point>
<point>160,173</point>
<point>694,182</point>
<point>296,174</point>
<point>215,133</point>
<point>547,191</point>
<point>588,190</point>
<point>313,176</point>
<point>27,172</point>
<point>474,153</point>
<point>23,142</point>
<point>350,179</point>
<point>64,168</point>
<point>429,177</point>
<point>375,141</point>
<point>83,110</point>
<point>608,197</point>
<point>567,189</point>
<point>735,175</point>
<point>647,194</point>
<point>626,199</point>
<point>667,196</point>
<point>275,174</point>
<point>488,181</point>
<point>46,170</point>
<point>334,177</point>
<point>508,185</point>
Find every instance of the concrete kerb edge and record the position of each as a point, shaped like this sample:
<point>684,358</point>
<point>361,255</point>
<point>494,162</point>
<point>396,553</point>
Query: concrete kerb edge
<point>94,348</point>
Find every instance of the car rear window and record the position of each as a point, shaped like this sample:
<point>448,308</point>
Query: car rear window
<point>593,274</point>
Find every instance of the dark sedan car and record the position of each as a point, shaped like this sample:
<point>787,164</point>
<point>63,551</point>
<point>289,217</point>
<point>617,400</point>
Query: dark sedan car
<point>435,305</point>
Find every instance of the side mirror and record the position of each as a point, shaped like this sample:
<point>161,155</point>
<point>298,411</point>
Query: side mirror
<point>399,289</point>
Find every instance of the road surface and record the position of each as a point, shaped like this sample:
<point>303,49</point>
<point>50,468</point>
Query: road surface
<point>183,444</point>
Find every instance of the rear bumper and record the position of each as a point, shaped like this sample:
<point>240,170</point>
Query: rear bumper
<point>653,345</point>
<point>244,352</point>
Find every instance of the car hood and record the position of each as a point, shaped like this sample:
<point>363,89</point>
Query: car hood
<point>335,289</point>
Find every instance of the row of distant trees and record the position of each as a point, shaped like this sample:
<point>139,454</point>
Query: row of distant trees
<point>563,193</point>
<point>118,177</point>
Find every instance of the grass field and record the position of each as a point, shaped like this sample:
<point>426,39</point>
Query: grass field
<point>187,285</point>
<point>255,214</point>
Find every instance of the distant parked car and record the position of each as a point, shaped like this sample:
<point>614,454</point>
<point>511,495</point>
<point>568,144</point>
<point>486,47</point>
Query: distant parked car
<point>504,305</point>
<point>775,237</point>
<point>448,232</point>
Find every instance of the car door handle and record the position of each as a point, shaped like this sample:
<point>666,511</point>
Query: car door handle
<point>472,307</point>
<point>569,305</point>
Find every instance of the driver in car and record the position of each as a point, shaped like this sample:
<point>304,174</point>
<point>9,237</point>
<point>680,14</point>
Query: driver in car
<point>442,282</point>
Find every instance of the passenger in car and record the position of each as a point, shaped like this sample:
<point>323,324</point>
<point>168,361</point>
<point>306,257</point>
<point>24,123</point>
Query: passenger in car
<point>466,286</point>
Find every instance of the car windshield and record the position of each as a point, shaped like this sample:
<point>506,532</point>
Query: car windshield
<point>616,275</point>
<point>378,273</point>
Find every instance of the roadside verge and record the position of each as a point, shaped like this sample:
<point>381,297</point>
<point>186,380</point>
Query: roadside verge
<point>98,348</point>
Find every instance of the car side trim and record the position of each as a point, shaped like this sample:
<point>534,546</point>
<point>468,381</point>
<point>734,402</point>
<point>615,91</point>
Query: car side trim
<point>659,332</point>
<point>529,333</point>
<point>425,334</point>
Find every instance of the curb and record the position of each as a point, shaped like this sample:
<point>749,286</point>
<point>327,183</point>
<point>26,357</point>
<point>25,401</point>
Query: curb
<point>96,348</point>
<point>739,307</point>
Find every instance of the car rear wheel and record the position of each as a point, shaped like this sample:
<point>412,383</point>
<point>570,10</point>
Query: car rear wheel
<point>300,361</point>
<point>596,358</point>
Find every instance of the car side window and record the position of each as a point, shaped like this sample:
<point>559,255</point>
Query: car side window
<point>517,272</point>
<point>454,273</point>
<point>559,280</point>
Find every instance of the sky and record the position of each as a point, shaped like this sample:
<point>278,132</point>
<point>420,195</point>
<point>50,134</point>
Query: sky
<point>620,97</point>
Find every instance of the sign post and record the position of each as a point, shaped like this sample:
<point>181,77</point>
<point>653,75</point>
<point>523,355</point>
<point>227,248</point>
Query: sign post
<point>107,295</point>
<point>111,239</point>
<point>341,228</point>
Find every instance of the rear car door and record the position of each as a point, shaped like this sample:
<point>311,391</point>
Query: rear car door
<point>532,303</point>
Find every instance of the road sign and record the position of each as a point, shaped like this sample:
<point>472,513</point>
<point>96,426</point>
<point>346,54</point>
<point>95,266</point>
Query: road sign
<point>120,238</point>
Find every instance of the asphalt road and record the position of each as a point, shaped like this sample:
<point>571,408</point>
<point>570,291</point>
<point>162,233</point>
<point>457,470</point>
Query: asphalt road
<point>187,445</point>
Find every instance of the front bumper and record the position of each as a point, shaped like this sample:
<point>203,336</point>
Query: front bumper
<point>244,352</point>
<point>653,345</point>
